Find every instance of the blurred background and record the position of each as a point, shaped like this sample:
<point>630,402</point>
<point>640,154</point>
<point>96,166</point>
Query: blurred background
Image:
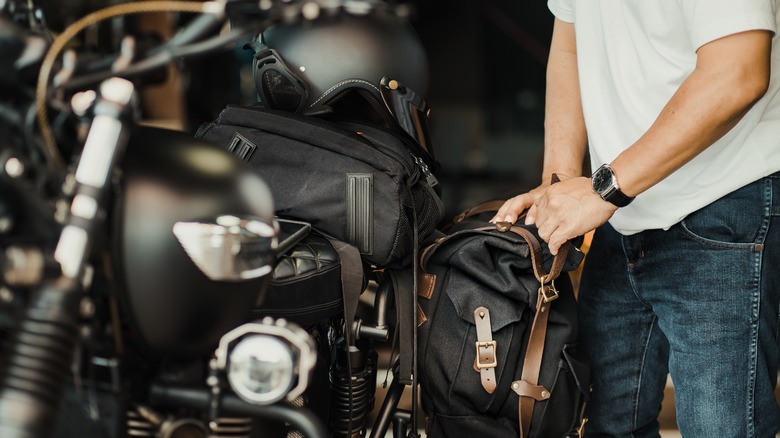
<point>487,78</point>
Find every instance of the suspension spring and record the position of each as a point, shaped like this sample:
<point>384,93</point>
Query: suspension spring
<point>351,419</point>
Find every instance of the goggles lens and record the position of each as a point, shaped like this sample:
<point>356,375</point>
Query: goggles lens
<point>279,87</point>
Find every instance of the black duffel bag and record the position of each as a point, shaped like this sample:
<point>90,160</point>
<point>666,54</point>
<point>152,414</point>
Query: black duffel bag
<point>498,333</point>
<point>354,181</point>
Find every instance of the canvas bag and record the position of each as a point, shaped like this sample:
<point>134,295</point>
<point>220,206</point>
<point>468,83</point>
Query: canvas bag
<point>354,181</point>
<point>497,320</point>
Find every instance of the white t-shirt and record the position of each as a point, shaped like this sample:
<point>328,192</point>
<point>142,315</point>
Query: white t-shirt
<point>632,56</point>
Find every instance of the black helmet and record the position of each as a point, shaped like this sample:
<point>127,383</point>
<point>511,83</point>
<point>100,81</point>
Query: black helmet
<point>316,67</point>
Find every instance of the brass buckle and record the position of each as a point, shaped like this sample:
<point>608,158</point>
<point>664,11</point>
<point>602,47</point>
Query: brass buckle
<point>548,291</point>
<point>486,344</point>
<point>581,430</point>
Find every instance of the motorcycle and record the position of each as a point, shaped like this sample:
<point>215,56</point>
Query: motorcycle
<point>132,255</point>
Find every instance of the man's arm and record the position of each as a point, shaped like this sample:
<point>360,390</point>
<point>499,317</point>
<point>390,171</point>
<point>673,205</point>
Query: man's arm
<point>565,139</point>
<point>731,74</point>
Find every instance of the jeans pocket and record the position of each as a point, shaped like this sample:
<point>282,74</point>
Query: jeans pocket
<point>735,221</point>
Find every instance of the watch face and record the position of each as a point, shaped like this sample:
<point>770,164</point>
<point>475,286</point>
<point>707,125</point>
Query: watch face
<point>601,180</point>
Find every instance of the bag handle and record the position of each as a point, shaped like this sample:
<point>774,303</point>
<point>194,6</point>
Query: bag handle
<point>485,207</point>
<point>536,251</point>
<point>533,243</point>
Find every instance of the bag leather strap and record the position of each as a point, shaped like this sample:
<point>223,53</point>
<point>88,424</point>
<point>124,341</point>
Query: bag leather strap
<point>527,388</point>
<point>485,361</point>
<point>485,207</point>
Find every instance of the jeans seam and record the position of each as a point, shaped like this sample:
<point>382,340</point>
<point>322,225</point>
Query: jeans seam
<point>641,369</point>
<point>756,310</point>
<point>754,329</point>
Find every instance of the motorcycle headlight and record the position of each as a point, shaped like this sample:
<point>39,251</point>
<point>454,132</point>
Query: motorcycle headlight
<point>261,369</point>
<point>267,361</point>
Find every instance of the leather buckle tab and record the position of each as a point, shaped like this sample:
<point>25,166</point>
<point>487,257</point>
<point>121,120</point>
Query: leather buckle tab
<point>486,359</point>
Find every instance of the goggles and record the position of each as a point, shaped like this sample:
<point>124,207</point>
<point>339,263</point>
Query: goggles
<point>409,110</point>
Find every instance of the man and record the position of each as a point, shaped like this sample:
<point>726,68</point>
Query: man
<point>680,100</point>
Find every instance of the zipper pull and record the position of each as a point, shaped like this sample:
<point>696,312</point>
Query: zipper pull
<point>432,181</point>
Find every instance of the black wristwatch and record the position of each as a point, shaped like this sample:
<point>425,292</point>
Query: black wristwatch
<point>604,184</point>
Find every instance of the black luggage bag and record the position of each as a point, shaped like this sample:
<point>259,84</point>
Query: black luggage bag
<point>497,334</point>
<point>357,182</point>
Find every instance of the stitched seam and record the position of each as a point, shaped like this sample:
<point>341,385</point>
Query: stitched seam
<point>339,85</point>
<point>642,362</point>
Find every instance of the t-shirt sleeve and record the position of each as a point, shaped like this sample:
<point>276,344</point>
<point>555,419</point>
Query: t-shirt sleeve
<point>562,9</point>
<point>709,20</point>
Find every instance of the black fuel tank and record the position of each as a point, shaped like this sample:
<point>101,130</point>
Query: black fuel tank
<point>188,273</point>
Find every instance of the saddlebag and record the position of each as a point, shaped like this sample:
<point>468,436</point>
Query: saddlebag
<point>497,334</point>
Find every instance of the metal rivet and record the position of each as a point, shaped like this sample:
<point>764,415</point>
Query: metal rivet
<point>545,394</point>
<point>515,386</point>
<point>481,314</point>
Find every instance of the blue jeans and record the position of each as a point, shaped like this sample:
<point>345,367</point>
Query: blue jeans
<point>699,302</point>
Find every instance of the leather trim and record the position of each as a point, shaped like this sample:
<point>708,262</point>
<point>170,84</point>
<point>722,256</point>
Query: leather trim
<point>485,357</point>
<point>525,389</point>
<point>421,317</point>
<point>425,284</point>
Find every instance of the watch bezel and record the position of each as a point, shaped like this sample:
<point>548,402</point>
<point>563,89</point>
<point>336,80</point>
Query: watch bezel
<point>603,180</point>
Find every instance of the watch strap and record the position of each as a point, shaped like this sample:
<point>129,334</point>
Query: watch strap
<point>618,198</point>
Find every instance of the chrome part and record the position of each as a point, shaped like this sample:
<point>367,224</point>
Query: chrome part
<point>231,249</point>
<point>258,358</point>
<point>261,369</point>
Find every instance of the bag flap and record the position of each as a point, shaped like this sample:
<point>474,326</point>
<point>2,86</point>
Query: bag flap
<point>465,296</point>
<point>488,269</point>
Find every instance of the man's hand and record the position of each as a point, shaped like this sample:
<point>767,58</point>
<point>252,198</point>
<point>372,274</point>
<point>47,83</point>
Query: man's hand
<point>567,210</point>
<point>514,207</point>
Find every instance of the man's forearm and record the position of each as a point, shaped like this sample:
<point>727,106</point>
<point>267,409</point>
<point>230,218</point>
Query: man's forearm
<point>565,139</point>
<point>707,105</point>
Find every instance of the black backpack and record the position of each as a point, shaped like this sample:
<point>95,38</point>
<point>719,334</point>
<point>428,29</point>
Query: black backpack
<point>497,333</point>
<point>352,180</point>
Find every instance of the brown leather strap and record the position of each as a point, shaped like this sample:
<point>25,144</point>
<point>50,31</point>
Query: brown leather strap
<point>485,361</point>
<point>488,206</point>
<point>485,207</point>
<point>527,387</point>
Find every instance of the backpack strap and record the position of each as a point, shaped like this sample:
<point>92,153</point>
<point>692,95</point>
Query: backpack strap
<point>351,287</point>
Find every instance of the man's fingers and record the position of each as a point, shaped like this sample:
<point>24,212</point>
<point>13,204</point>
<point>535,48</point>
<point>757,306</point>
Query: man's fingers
<point>511,209</point>
<point>530,217</point>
